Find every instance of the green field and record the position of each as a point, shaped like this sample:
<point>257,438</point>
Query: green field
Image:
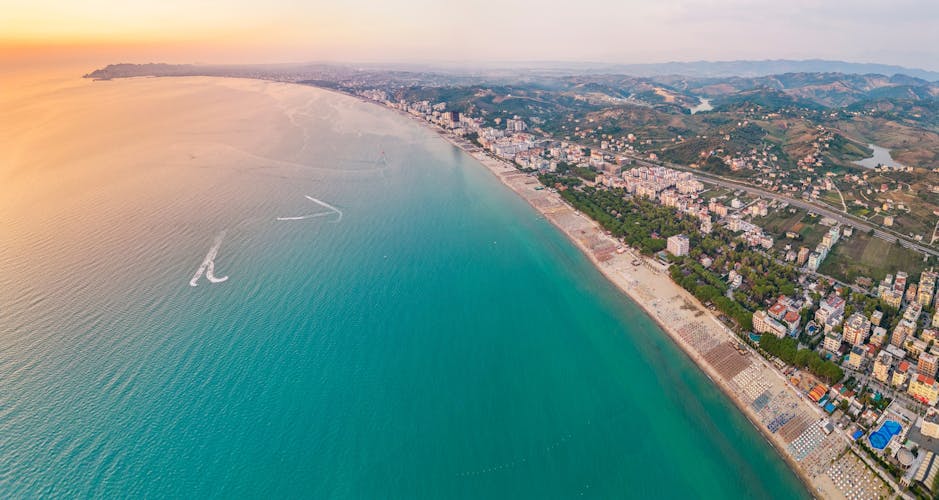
<point>812,231</point>
<point>863,255</point>
<point>831,198</point>
<point>718,192</point>
<point>778,222</point>
<point>859,211</point>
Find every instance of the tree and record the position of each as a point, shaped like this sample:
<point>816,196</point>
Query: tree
<point>787,350</point>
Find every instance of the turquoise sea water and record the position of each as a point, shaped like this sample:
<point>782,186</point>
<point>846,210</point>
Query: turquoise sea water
<point>441,340</point>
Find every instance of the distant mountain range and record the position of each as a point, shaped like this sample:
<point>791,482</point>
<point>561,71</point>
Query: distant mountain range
<point>749,69</point>
<point>695,69</point>
<point>830,90</point>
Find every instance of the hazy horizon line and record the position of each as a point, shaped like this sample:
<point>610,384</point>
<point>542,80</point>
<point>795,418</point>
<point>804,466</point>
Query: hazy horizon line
<point>532,63</point>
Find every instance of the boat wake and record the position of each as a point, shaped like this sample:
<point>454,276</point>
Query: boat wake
<point>332,210</point>
<point>210,274</point>
<point>208,264</point>
<point>327,205</point>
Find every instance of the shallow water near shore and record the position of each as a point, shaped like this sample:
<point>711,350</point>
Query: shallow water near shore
<point>431,337</point>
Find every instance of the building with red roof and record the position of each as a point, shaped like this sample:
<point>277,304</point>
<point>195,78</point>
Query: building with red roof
<point>924,389</point>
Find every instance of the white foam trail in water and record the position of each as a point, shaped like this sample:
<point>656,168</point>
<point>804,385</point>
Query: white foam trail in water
<point>327,205</point>
<point>210,274</point>
<point>322,203</point>
<point>208,264</point>
<point>302,217</point>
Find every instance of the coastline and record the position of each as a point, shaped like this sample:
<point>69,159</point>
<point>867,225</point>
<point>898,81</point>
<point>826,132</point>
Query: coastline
<point>699,334</point>
<point>647,288</point>
<point>646,273</point>
<point>744,378</point>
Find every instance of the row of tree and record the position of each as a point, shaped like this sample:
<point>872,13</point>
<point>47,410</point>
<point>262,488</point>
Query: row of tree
<point>787,349</point>
<point>707,286</point>
<point>641,223</point>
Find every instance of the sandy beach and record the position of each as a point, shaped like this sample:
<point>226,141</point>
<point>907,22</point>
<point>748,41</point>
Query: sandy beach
<point>786,418</point>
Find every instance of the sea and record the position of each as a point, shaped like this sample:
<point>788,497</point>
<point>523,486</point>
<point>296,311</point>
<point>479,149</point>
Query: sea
<point>241,289</point>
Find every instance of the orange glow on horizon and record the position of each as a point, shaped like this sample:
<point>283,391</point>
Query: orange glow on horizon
<point>217,31</point>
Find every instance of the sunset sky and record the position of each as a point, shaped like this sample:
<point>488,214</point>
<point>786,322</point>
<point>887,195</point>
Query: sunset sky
<point>896,32</point>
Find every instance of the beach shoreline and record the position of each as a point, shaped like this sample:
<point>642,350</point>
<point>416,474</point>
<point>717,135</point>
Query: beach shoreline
<point>743,375</point>
<point>694,356</point>
<point>552,207</point>
<point>675,311</point>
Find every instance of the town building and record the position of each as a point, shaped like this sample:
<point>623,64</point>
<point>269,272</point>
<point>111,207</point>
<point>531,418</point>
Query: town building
<point>832,342</point>
<point>706,226</point>
<point>929,424</point>
<point>803,256</point>
<point>856,358</point>
<point>856,329</point>
<point>903,330</point>
<point>924,389</point>
<point>678,245</point>
<point>792,320</point>
<point>929,335</point>
<point>927,287</point>
<point>891,289</point>
<point>882,365</point>
<point>912,312</point>
<point>927,364</point>
<point>901,374</point>
<point>777,311</point>
<point>831,323</point>
<point>914,347</point>
<point>877,317</point>
<point>763,323</point>
<point>878,336</point>
<point>892,298</point>
<point>831,306</point>
<point>719,209</point>
<point>831,237</point>
<point>815,260</point>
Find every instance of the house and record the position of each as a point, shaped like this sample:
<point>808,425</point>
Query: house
<point>777,312</point>
<point>792,320</point>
